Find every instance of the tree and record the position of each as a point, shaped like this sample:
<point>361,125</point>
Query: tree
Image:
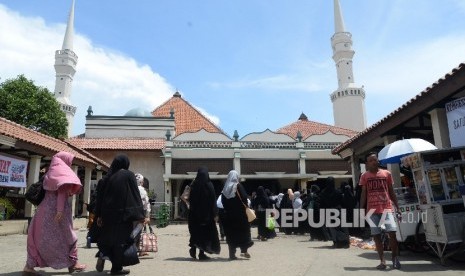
<point>32,106</point>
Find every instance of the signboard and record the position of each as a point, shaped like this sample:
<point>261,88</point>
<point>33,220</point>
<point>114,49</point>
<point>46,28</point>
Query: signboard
<point>455,111</point>
<point>12,172</point>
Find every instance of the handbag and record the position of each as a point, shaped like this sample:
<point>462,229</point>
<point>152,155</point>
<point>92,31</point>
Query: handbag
<point>130,255</point>
<point>249,212</point>
<point>148,241</point>
<point>35,193</point>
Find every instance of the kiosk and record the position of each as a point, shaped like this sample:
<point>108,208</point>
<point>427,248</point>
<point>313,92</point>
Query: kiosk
<point>439,180</point>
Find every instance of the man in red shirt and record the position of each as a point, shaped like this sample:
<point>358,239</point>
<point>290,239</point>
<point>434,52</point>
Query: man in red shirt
<point>378,195</point>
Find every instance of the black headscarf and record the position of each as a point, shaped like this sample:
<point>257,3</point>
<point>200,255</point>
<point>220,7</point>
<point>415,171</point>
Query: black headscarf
<point>202,197</point>
<point>120,162</point>
<point>121,200</point>
<point>261,199</point>
<point>329,196</point>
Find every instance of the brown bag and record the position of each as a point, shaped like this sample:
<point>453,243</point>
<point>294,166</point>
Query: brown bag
<point>249,212</point>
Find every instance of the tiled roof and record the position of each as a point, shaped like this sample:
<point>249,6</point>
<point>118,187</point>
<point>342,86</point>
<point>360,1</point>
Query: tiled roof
<point>186,117</point>
<point>29,136</point>
<point>118,143</point>
<point>428,91</point>
<point>308,128</point>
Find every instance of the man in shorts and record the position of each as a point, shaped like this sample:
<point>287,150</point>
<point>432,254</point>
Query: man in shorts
<point>378,195</point>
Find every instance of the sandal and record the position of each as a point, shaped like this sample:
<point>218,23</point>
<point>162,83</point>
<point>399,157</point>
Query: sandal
<point>245,255</point>
<point>77,268</point>
<point>381,266</point>
<point>395,263</point>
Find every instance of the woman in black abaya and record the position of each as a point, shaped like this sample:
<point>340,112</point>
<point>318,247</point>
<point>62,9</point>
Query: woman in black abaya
<point>234,220</point>
<point>202,214</point>
<point>119,206</point>
<point>260,204</point>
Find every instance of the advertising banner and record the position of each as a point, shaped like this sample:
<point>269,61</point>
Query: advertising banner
<point>12,172</point>
<point>455,111</point>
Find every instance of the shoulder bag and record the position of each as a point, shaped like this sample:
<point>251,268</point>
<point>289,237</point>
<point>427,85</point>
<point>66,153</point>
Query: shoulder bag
<point>249,212</point>
<point>35,193</point>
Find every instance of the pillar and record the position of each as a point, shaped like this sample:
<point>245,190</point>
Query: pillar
<point>237,162</point>
<point>356,171</point>
<point>393,168</point>
<point>440,128</point>
<point>32,177</point>
<point>72,200</point>
<point>99,175</point>
<point>86,193</point>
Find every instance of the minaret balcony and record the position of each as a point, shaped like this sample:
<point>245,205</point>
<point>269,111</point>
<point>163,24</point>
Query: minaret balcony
<point>68,108</point>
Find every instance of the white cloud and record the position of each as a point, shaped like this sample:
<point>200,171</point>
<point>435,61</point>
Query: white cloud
<point>109,81</point>
<point>409,70</point>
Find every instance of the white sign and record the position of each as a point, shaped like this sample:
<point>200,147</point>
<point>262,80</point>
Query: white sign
<point>455,111</point>
<point>12,172</point>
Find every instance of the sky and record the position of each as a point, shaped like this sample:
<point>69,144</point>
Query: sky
<point>248,65</point>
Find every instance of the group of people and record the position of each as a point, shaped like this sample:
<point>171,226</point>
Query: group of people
<point>121,203</point>
<point>204,213</point>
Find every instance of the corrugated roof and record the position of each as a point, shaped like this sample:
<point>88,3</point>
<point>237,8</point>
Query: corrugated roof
<point>24,134</point>
<point>186,117</point>
<point>308,128</point>
<point>118,143</point>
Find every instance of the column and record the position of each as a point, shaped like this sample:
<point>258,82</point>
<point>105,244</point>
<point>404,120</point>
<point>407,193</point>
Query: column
<point>440,128</point>
<point>72,200</point>
<point>99,175</point>
<point>393,168</point>
<point>32,177</point>
<point>302,169</point>
<point>356,171</point>
<point>237,162</point>
<point>176,207</point>
<point>167,191</point>
<point>86,194</point>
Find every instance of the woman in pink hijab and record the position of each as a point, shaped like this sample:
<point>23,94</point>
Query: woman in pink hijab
<point>51,240</point>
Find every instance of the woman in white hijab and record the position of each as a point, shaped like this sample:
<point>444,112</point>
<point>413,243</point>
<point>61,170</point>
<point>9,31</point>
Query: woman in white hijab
<point>234,220</point>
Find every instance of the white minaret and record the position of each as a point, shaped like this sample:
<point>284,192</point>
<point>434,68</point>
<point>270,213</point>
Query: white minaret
<point>349,99</point>
<point>65,68</point>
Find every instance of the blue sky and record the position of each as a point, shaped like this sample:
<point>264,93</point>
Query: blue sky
<point>248,65</point>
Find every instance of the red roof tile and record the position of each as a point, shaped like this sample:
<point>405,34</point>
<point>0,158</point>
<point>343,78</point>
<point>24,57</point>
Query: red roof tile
<point>308,128</point>
<point>186,117</point>
<point>24,134</point>
<point>118,143</point>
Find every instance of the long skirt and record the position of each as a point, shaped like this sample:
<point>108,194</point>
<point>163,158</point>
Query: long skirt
<point>51,243</point>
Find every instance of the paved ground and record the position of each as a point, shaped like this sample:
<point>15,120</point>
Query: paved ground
<point>284,255</point>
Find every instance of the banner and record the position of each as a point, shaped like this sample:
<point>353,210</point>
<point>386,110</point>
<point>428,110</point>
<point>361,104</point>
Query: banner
<point>455,111</point>
<point>12,172</point>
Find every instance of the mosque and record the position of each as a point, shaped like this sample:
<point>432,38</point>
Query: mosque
<point>168,144</point>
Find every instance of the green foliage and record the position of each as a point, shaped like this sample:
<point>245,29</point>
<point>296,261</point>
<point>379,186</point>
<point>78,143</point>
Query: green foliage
<point>162,216</point>
<point>32,106</point>
<point>7,206</point>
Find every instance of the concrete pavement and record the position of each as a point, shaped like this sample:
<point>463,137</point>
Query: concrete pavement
<point>284,255</point>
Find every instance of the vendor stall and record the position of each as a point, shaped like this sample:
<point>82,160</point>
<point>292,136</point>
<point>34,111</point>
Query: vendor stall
<point>410,225</point>
<point>439,177</point>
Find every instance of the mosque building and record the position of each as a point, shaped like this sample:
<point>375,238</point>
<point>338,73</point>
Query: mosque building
<point>168,144</point>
